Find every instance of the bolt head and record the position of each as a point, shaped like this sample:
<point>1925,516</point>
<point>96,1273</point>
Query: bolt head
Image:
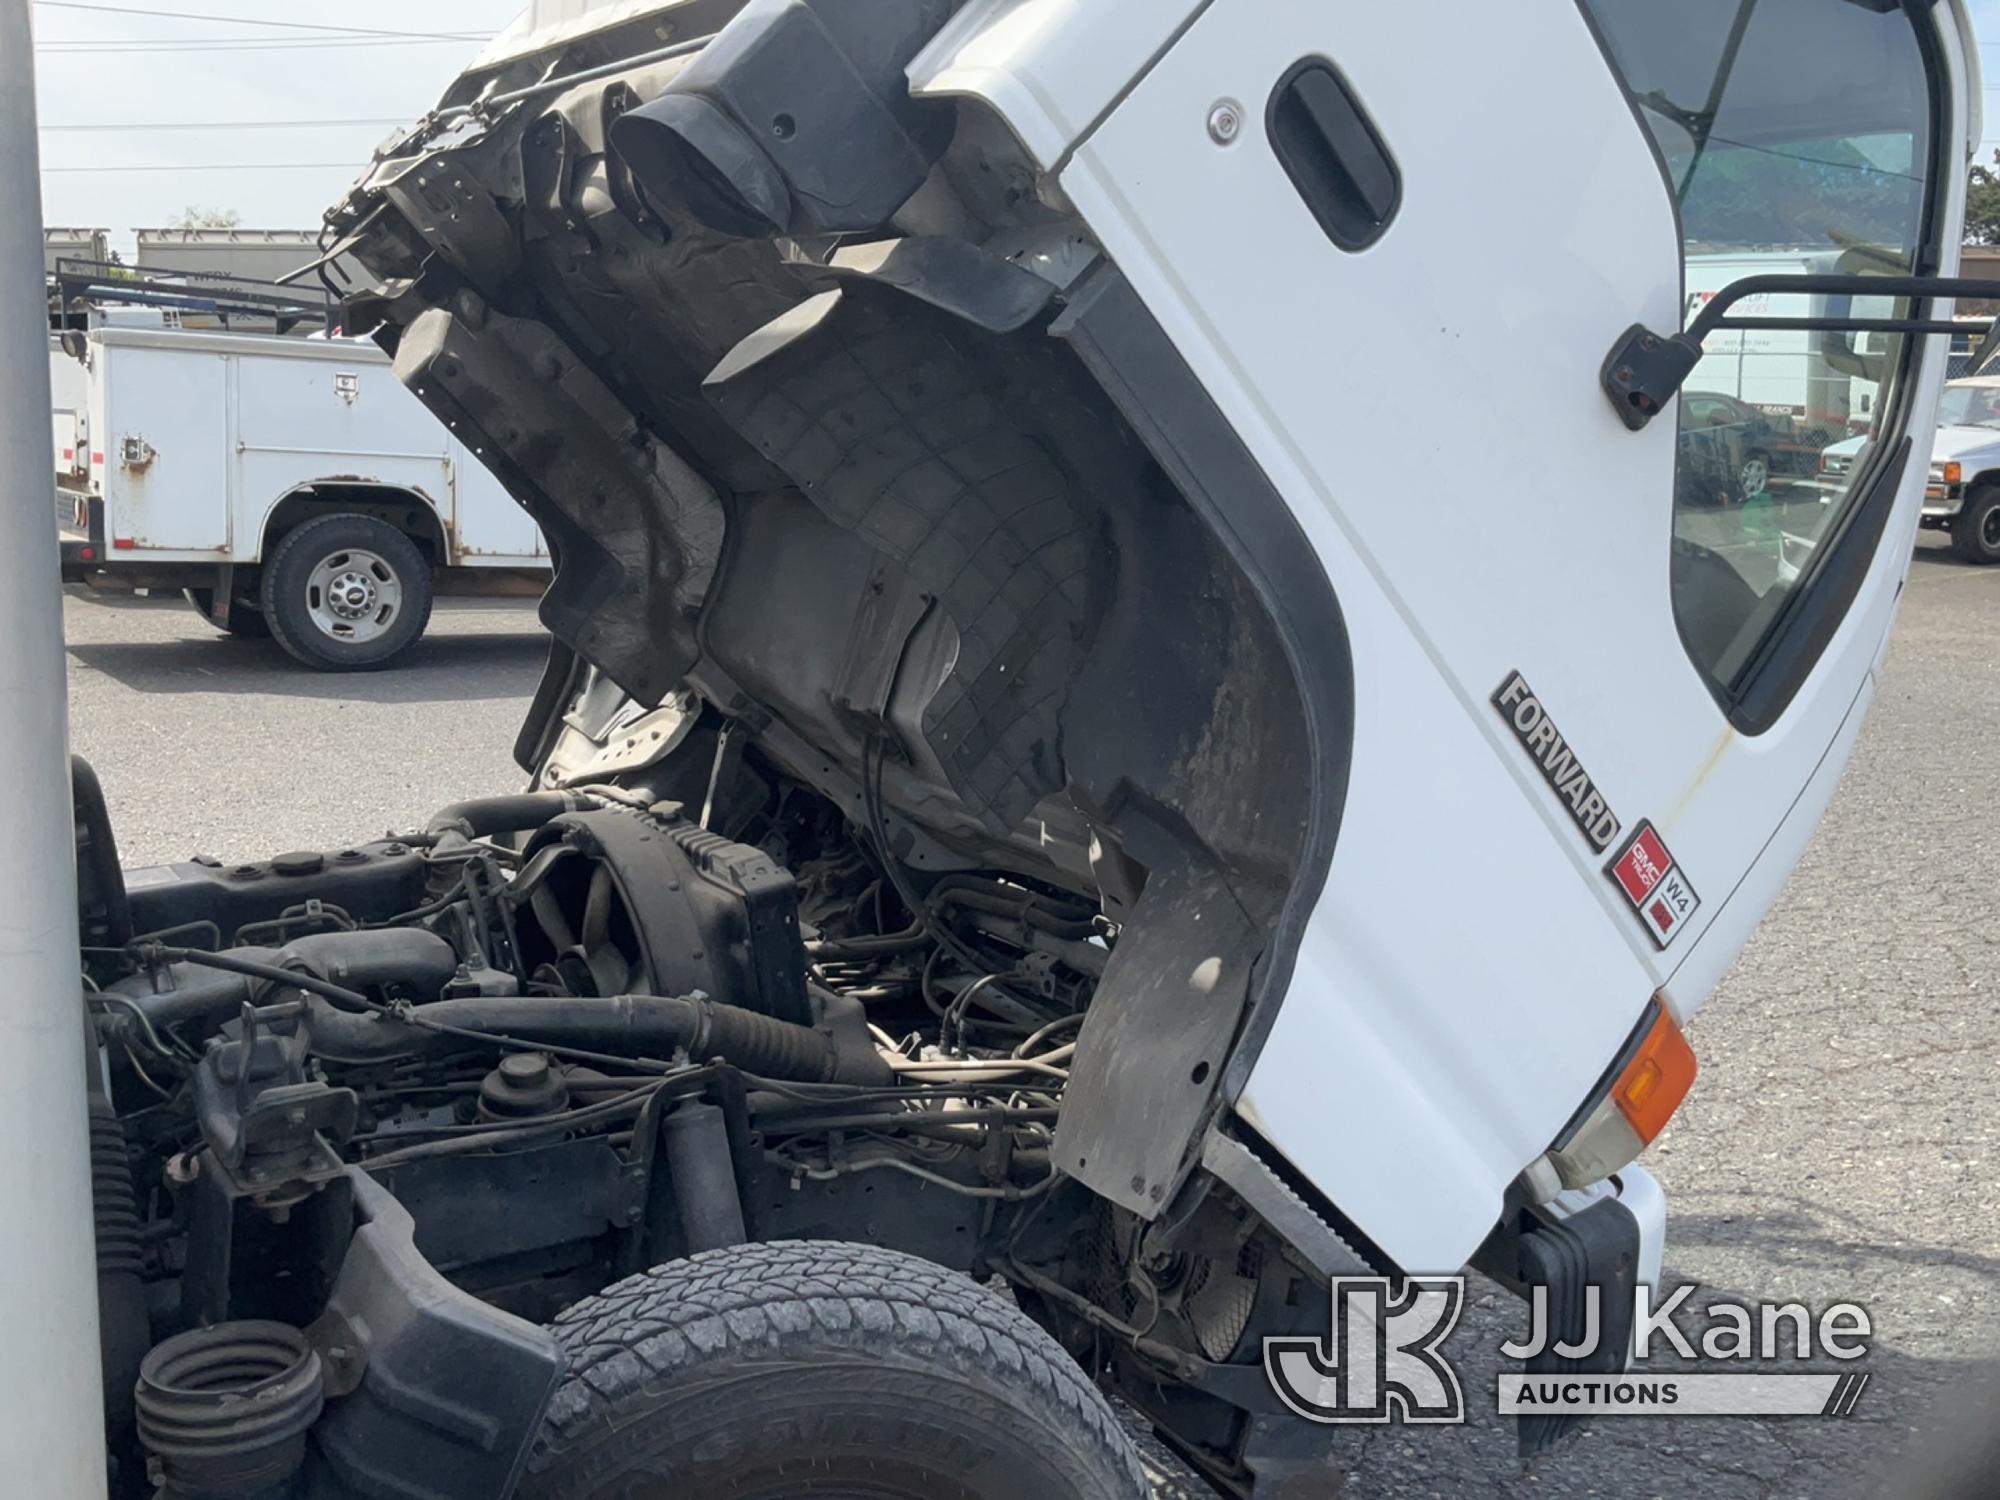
<point>1225,122</point>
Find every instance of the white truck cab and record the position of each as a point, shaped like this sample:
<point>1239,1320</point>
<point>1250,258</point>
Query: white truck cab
<point>1022,788</point>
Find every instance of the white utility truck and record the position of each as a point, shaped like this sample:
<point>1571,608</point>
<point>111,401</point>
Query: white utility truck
<point>1017,793</point>
<point>1800,374</point>
<point>288,486</point>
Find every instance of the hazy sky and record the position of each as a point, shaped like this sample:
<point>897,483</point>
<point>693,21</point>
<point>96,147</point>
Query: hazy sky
<point>275,177</point>
<point>203,72</point>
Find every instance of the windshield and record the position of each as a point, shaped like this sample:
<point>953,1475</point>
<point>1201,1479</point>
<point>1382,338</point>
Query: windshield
<point>1969,406</point>
<point>1795,137</point>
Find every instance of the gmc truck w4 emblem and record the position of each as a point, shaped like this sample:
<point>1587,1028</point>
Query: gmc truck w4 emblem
<point>1653,884</point>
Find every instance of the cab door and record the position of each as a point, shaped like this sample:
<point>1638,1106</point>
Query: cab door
<point>1397,246</point>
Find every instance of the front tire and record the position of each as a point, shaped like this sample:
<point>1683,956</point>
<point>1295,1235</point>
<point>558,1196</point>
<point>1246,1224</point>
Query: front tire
<point>765,1372</point>
<point>1975,530</point>
<point>344,593</point>
<point>1755,475</point>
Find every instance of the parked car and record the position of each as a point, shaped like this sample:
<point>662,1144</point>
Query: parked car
<point>1763,445</point>
<point>1962,494</point>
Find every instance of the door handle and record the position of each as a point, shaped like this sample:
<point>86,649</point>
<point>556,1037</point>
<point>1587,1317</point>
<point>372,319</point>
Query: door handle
<point>1334,155</point>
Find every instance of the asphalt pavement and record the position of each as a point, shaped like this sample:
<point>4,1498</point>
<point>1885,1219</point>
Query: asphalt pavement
<point>211,745</point>
<point>1841,1144</point>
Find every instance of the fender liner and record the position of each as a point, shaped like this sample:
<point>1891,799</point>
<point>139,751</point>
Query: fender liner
<point>1122,345</point>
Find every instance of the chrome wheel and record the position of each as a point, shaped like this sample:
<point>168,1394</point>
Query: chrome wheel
<point>1989,530</point>
<point>1756,475</point>
<point>353,596</point>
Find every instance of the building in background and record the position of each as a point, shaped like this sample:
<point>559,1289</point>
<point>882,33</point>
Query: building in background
<point>213,278</point>
<point>73,244</point>
<point>238,254</point>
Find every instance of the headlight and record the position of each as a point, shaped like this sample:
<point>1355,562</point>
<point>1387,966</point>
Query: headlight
<point>1632,1105</point>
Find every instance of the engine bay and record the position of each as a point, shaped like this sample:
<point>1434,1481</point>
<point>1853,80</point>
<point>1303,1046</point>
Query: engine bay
<point>553,975</point>
<point>548,1040</point>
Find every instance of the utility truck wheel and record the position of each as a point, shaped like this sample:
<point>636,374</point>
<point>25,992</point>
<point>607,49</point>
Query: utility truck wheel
<point>243,621</point>
<point>343,593</point>
<point>770,1372</point>
<point>1975,530</point>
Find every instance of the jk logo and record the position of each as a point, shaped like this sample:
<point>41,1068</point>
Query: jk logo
<point>1380,1362</point>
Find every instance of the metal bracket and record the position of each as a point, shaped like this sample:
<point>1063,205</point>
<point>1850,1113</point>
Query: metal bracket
<point>1644,370</point>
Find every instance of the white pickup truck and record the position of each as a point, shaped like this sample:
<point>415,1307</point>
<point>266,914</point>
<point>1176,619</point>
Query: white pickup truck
<point>288,486</point>
<point>1962,489</point>
<point>1962,495</point>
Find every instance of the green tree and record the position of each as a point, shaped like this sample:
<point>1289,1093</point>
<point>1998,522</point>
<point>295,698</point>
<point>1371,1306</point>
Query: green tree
<point>1982,205</point>
<point>194,217</point>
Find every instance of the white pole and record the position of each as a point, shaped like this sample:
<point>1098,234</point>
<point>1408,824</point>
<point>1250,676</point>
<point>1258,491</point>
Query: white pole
<point>51,1398</point>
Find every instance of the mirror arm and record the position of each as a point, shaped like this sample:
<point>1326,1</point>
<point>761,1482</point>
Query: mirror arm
<point>1644,369</point>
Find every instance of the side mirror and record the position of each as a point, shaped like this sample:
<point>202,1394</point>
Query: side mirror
<point>1644,369</point>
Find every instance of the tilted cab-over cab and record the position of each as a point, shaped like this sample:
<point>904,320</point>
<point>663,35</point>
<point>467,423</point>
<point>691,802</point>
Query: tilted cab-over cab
<point>1022,788</point>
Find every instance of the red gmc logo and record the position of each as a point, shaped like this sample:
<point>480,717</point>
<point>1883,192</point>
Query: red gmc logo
<point>1640,867</point>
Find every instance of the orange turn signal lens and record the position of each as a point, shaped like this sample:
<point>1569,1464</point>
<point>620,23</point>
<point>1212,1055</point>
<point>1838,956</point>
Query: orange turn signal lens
<point>1953,473</point>
<point>1656,1079</point>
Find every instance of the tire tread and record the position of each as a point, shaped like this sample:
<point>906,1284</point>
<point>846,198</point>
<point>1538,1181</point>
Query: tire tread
<point>667,1323</point>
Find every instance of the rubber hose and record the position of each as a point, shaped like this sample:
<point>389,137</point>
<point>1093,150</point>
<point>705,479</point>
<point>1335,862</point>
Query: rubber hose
<point>997,900</point>
<point>762,1044</point>
<point>124,1330</point>
<point>632,1025</point>
<point>482,817</point>
<point>226,1410</point>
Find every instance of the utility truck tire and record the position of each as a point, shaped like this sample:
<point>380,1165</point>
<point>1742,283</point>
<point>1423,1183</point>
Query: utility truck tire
<point>1975,530</point>
<point>767,1372</point>
<point>344,593</point>
<point>243,622</point>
